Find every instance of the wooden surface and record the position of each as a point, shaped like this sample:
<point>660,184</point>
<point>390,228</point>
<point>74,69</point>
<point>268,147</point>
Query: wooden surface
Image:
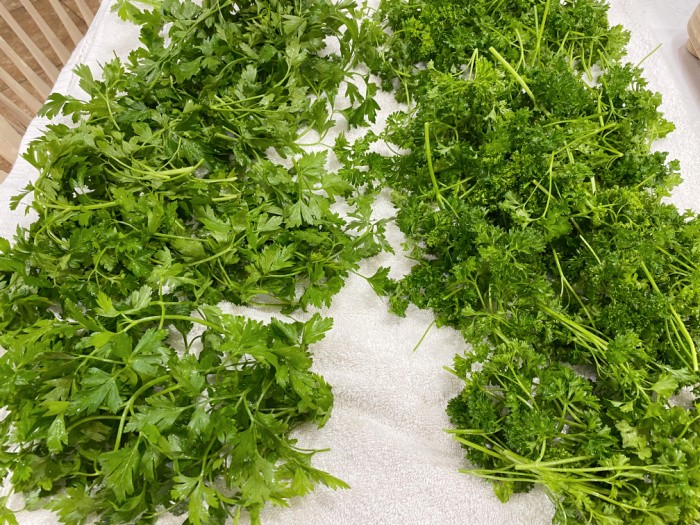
<point>36,39</point>
<point>694,33</point>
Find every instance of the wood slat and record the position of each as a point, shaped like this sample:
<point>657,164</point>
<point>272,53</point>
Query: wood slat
<point>31,101</point>
<point>42,88</point>
<point>61,50</point>
<point>16,113</point>
<point>85,11</point>
<point>36,39</point>
<point>693,43</point>
<point>75,34</point>
<point>9,141</point>
<point>28,42</point>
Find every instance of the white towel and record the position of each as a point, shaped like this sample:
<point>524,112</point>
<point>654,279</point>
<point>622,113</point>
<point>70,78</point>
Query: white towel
<point>386,435</point>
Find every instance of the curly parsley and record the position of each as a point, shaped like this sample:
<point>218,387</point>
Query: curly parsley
<point>533,208</point>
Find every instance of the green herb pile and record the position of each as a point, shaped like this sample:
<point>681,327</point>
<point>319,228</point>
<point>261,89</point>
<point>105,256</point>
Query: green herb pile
<point>531,203</point>
<point>127,392</point>
<point>533,208</point>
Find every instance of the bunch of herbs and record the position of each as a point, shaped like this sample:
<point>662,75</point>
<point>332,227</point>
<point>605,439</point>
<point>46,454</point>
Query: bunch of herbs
<point>127,392</point>
<point>534,209</point>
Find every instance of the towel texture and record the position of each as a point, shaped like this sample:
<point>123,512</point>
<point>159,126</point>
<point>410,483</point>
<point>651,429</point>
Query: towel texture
<point>386,436</point>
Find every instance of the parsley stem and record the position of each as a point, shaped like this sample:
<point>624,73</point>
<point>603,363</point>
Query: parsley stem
<point>171,318</point>
<point>678,321</point>
<point>429,156</point>
<point>549,191</point>
<point>672,343</point>
<point>585,337</point>
<point>90,418</point>
<point>162,307</point>
<point>218,181</point>
<point>648,55</point>
<point>170,236</point>
<point>130,404</point>
<point>81,207</point>
<point>590,248</point>
<point>476,446</point>
<point>226,198</point>
<point>540,31</point>
<point>205,458</point>
<point>584,136</point>
<point>514,73</point>
<point>215,256</point>
<point>565,282</point>
<point>687,264</point>
<point>166,391</point>
<point>422,338</point>
<point>525,465</point>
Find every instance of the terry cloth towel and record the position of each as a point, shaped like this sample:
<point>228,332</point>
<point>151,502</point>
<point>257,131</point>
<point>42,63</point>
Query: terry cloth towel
<point>386,435</point>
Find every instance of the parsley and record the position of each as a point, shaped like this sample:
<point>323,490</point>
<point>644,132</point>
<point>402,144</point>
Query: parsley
<point>128,392</point>
<point>533,207</point>
<point>530,200</point>
<point>109,415</point>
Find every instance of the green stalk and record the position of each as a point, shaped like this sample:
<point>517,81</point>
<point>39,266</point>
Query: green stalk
<point>422,338</point>
<point>429,157</point>
<point>428,153</point>
<point>565,282</point>
<point>540,32</point>
<point>130,404</point>
<point>549,191</point>
<point>171,318</point>
<point>677,319</point>
<point>590,249</point>
<point>82,207</point>
<point>513,72</point>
